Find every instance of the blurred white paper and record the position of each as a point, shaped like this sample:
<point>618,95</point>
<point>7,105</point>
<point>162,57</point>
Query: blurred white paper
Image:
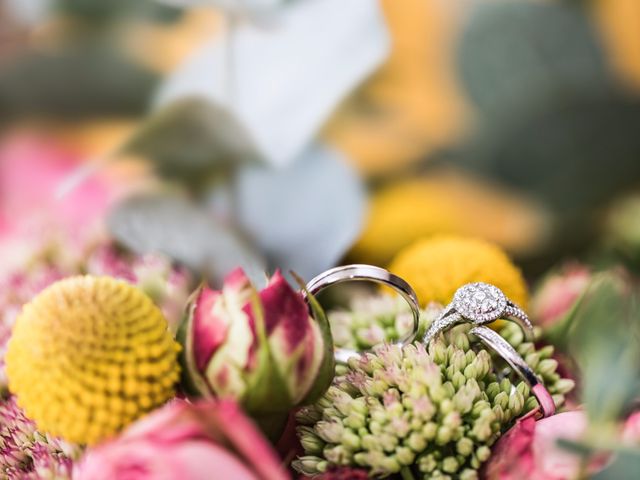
<point>287,77</point>
<point>304,217</point>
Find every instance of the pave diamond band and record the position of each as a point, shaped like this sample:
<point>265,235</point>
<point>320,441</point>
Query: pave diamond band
<point>348,273</point>
<point>479,303</point>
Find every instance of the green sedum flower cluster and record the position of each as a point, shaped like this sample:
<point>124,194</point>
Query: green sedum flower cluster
<point>422,412</point>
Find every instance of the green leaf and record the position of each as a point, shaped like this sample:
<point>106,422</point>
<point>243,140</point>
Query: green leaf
<point>327,370</point>
<point>86,80</point>
<point>172,225</point>
<point>604,339</point>
<point>193,141</point>
<point>267,390</point>
<point>515,53</point>
<point>625,466</point>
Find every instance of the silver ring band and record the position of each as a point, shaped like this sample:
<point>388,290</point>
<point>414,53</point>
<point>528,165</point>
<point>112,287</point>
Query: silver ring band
<point>478,304</point>
<point>503,348</point>
<point>370,273</point>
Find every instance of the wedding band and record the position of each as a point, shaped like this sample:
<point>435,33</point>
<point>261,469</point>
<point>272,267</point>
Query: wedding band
<point>503,348</point>
<point>370,273</point>
<point>479,303</point>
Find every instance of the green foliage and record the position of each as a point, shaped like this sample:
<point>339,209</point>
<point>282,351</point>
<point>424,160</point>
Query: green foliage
<point>187,233</point>
<point>603,335</point>
<point>520,53</point>
<point>192,141</point>
<point>86,80</point>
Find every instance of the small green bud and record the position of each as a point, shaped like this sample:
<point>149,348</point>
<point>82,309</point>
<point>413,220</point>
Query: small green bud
<point>427,463</point>
<point>388,442</point>
<point>564,385</point>
<point>350,440</point>
<point>355,420</point>
<point>479,407</point>
<point>447,406</point>
<point>506,386</point>
<point>389,464</point>
<point>546,352</point>
<point>308,415</point>
<point>492,390</point>
<point>329,431</point>
<point>502,399</point>
<point>468,474</point>
<point>444,435</point>
<point>452,420</point>
<point>405,455</point>
<point>309,465</point>
<point>461,341</point>
<point>370,442</point>
<point>532,359</point>
<point>310,441</point>
<point>464,446</point>
<point>470,371</point>
<point>547,367</point>
<point>458,380</point>
<point>450,464</point>
<point>438,351</point>
<point>530,404</point>
<point>483,453</point>
<point>516,402</point>
<point>338,455</point>
<point>416,442</point>
<point>523,389</point>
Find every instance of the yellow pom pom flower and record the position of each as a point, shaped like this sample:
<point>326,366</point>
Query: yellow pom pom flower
<point>436,267</point>
<point>88,356</point>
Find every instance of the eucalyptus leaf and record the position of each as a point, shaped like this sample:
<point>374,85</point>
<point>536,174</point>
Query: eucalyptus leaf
<point>282,81</point>
<point>192,140</point>
<point>84,80</point>
<point>174,226</point>
<point>306,216</point>
<point>515,52</point>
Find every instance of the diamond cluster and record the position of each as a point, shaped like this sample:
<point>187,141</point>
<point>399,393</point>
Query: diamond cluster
<point>480,302</point>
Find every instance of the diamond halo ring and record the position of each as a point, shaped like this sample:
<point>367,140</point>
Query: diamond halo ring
<point>479,303</point>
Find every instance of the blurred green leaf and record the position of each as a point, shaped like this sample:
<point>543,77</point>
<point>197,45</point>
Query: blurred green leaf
<point>515,52</point>
<point>99,11</point>
<point>74,82</point>
<point>625,465</point>
<point>574,153</point>
<point>193,140</point>
<point>180,229</point>
<point>604,338</point>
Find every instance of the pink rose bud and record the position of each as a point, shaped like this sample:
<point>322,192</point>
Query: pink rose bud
<point>558,293</point>
<point>183,441</point>
<point>262,348</point>
<point>530,450</point>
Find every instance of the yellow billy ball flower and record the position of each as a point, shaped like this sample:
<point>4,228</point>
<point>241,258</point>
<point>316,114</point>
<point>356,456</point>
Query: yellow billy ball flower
<point>88,356</point>
<point>436,267</point>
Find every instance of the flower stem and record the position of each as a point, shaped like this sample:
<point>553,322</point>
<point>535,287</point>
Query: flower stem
<point>407,474</point>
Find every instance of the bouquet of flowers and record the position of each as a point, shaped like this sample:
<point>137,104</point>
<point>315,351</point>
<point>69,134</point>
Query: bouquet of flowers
<point>165,310</point>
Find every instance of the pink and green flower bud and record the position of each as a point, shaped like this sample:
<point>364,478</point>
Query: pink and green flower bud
<point>263,348</point>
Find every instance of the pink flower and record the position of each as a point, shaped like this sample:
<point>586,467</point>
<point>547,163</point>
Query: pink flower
<point>529,450</point>
<point>25,453</point>
<point>32,168</point>
<point>631,429</point>
<point>184,441</point>
<point>558,293</point>
<point>262,348</point>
